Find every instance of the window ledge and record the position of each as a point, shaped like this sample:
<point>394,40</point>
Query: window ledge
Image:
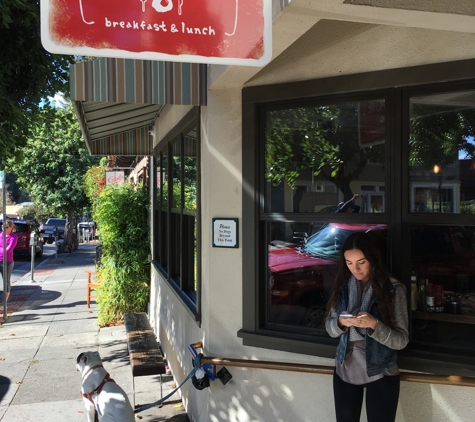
<point>189,305</point>
<point>286,344</point>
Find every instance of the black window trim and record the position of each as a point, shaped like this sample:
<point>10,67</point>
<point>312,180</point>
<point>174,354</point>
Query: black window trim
<point>409,82</point>
<point>191,302</point>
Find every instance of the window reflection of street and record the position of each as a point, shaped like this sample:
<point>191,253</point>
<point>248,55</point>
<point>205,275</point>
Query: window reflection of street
<point>301,275</point>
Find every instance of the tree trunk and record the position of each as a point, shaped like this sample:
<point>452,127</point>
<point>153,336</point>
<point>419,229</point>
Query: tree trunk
<point>70,236</point>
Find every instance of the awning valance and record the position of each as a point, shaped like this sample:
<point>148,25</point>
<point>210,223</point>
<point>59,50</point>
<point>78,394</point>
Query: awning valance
<point>118,100</point>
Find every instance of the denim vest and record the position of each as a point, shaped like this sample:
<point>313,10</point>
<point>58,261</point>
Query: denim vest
<point>379,358</point>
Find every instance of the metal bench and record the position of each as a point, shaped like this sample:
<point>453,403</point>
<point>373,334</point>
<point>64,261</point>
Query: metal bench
<point>145,355</point>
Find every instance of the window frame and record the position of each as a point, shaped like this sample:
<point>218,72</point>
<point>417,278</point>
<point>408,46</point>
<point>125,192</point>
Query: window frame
<point>174,269</point>
<point>399,85</point>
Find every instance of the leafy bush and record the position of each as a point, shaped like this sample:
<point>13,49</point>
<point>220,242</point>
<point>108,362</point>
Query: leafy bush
<point>34,212</point>
<point>121,216</point>
<point>467,207</point>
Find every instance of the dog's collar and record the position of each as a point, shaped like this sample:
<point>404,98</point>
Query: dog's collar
<point>89,396</point>
<point>92,369</point>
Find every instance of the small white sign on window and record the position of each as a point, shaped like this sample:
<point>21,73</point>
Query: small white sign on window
<point>225,233</point>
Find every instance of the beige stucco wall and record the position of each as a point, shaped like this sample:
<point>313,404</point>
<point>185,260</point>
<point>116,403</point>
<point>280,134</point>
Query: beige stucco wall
<point>330,48</point>
<point>342,48</point>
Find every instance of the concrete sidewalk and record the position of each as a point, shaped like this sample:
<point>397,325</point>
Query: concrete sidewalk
<point>48,326</point>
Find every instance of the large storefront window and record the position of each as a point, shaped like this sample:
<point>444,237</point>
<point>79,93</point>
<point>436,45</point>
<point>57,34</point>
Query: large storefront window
<point>319,156</point>
<point>442,153</point>
<point>442,181</point>
<point>406,156</point>
<point>176,246</point>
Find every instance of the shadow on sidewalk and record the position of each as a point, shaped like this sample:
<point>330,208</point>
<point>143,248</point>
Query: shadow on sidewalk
<point>26,298</point>
<point>4,386</point>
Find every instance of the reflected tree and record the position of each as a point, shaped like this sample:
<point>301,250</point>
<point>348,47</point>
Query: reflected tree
<point>440,134</point>
<point>323,139</point>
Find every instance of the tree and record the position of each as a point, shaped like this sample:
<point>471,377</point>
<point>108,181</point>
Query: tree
<point>35,212</point>
<point>14,191</point>
<point>55,161</point>
<point>28,74</point>
<point>440,134</point>
<point>321,140</point>
<point>317,140</point>
<point>94,182</point>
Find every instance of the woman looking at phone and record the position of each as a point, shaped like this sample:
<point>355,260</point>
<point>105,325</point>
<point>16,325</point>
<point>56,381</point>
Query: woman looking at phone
<point>366,356</point>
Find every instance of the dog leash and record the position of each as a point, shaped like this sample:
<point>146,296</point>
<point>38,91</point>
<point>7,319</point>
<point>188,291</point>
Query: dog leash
<point>196,366</point>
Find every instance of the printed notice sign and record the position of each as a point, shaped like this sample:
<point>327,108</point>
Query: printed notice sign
<point>225,233</point>
<point>230,32</point>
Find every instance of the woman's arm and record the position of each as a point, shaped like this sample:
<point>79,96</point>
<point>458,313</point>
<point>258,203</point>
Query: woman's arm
<point>333,328</point>
<point>395,338</point>
<point>12,240</point>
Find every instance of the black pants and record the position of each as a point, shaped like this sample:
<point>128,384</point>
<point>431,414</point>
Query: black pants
<point>381,399</point>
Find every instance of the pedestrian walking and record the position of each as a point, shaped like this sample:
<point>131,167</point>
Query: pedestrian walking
<point>11,241</point>
<point>368,312</point>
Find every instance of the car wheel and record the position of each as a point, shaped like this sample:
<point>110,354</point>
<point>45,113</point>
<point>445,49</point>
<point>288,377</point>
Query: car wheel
<point>315,316</point>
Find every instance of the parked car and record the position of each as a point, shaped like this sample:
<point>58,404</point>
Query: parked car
<point>48,229</point>
<point>23,231</point>
<point>302,274</point>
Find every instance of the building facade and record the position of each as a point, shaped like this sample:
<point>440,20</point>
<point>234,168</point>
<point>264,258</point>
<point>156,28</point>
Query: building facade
<point>374,98</point>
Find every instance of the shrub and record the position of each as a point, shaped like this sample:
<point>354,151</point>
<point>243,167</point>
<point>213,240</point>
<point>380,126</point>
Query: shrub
<point>121,216</point>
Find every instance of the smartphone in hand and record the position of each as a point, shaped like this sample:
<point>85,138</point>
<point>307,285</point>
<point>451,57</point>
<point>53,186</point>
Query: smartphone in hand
<point>347,316</point>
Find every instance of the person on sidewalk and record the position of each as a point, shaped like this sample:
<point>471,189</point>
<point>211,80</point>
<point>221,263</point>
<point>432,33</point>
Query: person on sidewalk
<point>11,241</point>
<point>368,312</point>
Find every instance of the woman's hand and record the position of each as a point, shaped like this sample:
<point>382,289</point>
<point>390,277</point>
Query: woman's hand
<point>347,321</point>
<point>365,320</point>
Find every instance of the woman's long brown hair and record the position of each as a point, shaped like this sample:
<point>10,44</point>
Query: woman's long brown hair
<point>379,276</point>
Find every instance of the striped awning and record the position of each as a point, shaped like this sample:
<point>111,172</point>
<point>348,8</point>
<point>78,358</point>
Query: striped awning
<point>118,100</point>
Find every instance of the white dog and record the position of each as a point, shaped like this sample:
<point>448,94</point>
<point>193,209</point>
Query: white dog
<point>101,393</point>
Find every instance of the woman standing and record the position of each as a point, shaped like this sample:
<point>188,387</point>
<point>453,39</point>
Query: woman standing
<point>366,354</point>
<point>11,241</point>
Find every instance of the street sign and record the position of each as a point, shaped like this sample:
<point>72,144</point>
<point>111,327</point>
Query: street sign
<point>232,32</point>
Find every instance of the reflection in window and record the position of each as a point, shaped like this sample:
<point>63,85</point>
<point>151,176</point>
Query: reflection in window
<point>319,156</point>
<point>442,152</point>
<point>443,300</point>
<point>177,193</point>
<point>302,266</point>
<point>162,210</point>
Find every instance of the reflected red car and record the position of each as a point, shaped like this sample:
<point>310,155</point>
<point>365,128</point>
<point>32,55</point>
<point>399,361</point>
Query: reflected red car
<point>301,277</point>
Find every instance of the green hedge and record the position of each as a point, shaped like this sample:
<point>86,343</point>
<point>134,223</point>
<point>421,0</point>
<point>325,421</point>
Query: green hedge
<point>121,216</point>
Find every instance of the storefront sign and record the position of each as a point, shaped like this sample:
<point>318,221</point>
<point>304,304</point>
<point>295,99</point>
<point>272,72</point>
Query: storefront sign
<point>115,177</point>
<point>225,233</point>
<point>233,32</point>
